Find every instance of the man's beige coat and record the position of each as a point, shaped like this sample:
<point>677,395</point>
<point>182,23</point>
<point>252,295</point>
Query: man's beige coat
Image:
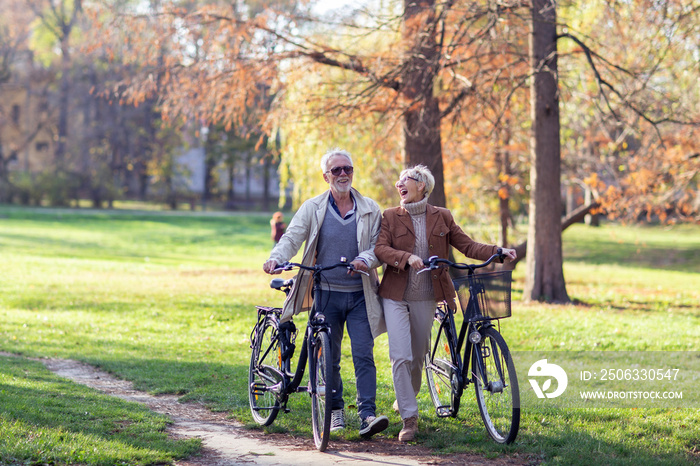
<point>305,227</point>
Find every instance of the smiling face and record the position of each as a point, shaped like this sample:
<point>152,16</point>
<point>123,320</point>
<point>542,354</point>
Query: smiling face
<point>341,183</point>
<point>410,189</point>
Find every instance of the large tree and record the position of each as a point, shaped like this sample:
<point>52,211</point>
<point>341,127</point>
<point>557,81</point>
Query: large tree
<point>545,276</point>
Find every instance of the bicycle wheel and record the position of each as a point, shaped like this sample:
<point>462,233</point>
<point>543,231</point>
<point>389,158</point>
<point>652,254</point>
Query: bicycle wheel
<point>496,386</point>
<point>320,381</point>
<point>265,380</point>
<point>442,365</point>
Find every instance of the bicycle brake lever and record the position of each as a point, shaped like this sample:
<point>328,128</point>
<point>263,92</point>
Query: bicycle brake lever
<point>353,269</point>
<point>429,260</point>
<point>282,267</point>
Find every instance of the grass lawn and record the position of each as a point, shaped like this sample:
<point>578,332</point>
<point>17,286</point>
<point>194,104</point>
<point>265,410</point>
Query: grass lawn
<point>166,301</point>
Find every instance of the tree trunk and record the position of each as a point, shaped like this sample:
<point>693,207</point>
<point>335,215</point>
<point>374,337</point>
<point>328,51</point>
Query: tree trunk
<point>210,164</point>
<point>267,176</point>
<point>503,162</point>
<point>422,119</point>
<point>544,276</point>
<point>63,102</point>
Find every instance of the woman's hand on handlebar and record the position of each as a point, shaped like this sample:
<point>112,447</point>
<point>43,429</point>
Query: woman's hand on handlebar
<point>416,262</point>
<point>510,254</point>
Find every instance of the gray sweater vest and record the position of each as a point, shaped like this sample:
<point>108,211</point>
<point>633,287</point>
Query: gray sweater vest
<point>338,238</point>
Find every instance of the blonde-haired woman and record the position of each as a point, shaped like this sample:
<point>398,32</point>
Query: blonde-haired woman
<point>410,233</point>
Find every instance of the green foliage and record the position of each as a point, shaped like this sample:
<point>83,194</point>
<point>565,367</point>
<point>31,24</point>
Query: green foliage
<point>166,300</point>
<point>23,189</point>
<point>50,27</point>
<point>314,122</point>
<point>54,188</point>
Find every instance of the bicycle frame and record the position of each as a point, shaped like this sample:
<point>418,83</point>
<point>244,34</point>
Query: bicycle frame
<point>291,381</point>
<point>270,376</point>
<point>464,359</point>
<point>467,329</point>
<point>316,323</point>
<point>460,341</point>
<point>478,354</point>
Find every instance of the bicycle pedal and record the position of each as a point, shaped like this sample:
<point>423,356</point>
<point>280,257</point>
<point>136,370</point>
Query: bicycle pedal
<point>258,389</point>
<point>443,411</point>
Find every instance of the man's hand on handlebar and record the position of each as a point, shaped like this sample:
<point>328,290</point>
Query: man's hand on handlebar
<point>271,267</point>
<point>358,266</point>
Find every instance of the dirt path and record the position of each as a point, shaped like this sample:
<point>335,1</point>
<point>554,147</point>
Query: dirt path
<point>227,443</point>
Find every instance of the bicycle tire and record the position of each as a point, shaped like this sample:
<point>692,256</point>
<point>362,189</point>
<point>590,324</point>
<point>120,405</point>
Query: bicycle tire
<point>497,390</point>
<point>442,368</point>
<point>320,381</point>
<point>265,379</point>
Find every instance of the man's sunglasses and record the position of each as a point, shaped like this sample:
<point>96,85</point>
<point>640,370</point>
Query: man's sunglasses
<point>335,171</point>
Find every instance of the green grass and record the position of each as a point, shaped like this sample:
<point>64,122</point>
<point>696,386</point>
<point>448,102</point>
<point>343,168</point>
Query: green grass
<point>47,420</point>
<point>166,301</point>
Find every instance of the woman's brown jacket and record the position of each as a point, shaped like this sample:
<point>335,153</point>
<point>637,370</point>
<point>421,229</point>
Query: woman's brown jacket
<point>397,239</point>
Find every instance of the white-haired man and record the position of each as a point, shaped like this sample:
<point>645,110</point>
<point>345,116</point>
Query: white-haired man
<point>340,223</point>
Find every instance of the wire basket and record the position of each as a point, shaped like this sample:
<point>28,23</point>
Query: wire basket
<point>492,293</point>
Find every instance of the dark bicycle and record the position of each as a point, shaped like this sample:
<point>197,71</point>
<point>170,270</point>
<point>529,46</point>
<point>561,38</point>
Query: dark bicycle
<point>486,361</point>
<point>270,376</point>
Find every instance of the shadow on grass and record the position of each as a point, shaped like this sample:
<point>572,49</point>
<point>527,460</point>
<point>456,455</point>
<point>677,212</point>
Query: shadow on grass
<point>71,423</point>
<point>598,251</point>
<point>557,437</point>
<point>611,437</point>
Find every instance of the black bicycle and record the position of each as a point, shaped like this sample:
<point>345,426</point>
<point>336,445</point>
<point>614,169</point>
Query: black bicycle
<point>487,363</point>
<point>270,376</point>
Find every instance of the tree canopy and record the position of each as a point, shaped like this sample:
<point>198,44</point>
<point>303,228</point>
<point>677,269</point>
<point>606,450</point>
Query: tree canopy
<point>400,82</point>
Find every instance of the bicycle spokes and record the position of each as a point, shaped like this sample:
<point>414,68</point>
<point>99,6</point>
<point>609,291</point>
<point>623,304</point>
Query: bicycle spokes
<point>265,377</point>
<point>442,372</point>
<point>320,375</point>
<point>496,387</point>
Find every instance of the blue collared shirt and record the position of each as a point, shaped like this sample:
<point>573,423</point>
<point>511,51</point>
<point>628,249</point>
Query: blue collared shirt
<point>350,213</point>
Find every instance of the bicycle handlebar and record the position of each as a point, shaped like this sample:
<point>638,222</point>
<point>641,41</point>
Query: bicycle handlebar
<point>433,263</point>
<point>286,266</point>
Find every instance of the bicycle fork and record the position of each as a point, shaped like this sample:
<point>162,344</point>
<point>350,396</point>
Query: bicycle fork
<point>481,353</point>
<point>313,350</point>
<point>449,369</point>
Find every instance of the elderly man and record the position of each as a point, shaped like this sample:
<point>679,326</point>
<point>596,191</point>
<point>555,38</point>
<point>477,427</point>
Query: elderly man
<point>340,223</point>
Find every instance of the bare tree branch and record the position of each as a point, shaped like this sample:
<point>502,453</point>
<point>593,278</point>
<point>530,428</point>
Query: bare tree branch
<point>603,84</point>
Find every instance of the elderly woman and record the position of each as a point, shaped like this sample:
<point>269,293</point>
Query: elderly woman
<point>409,234</point>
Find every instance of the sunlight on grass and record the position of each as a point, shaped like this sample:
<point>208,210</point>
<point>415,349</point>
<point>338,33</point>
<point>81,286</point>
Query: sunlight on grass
<point>167,301</point>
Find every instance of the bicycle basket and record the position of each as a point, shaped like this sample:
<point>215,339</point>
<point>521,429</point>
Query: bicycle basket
<point>492,293</point>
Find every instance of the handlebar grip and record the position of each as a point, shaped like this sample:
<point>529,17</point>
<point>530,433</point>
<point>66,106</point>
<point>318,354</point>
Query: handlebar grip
<point>501,256</point>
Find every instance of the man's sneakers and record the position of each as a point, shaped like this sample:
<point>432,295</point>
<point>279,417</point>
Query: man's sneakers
<point>373,425</point>
<point>337,420</point>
